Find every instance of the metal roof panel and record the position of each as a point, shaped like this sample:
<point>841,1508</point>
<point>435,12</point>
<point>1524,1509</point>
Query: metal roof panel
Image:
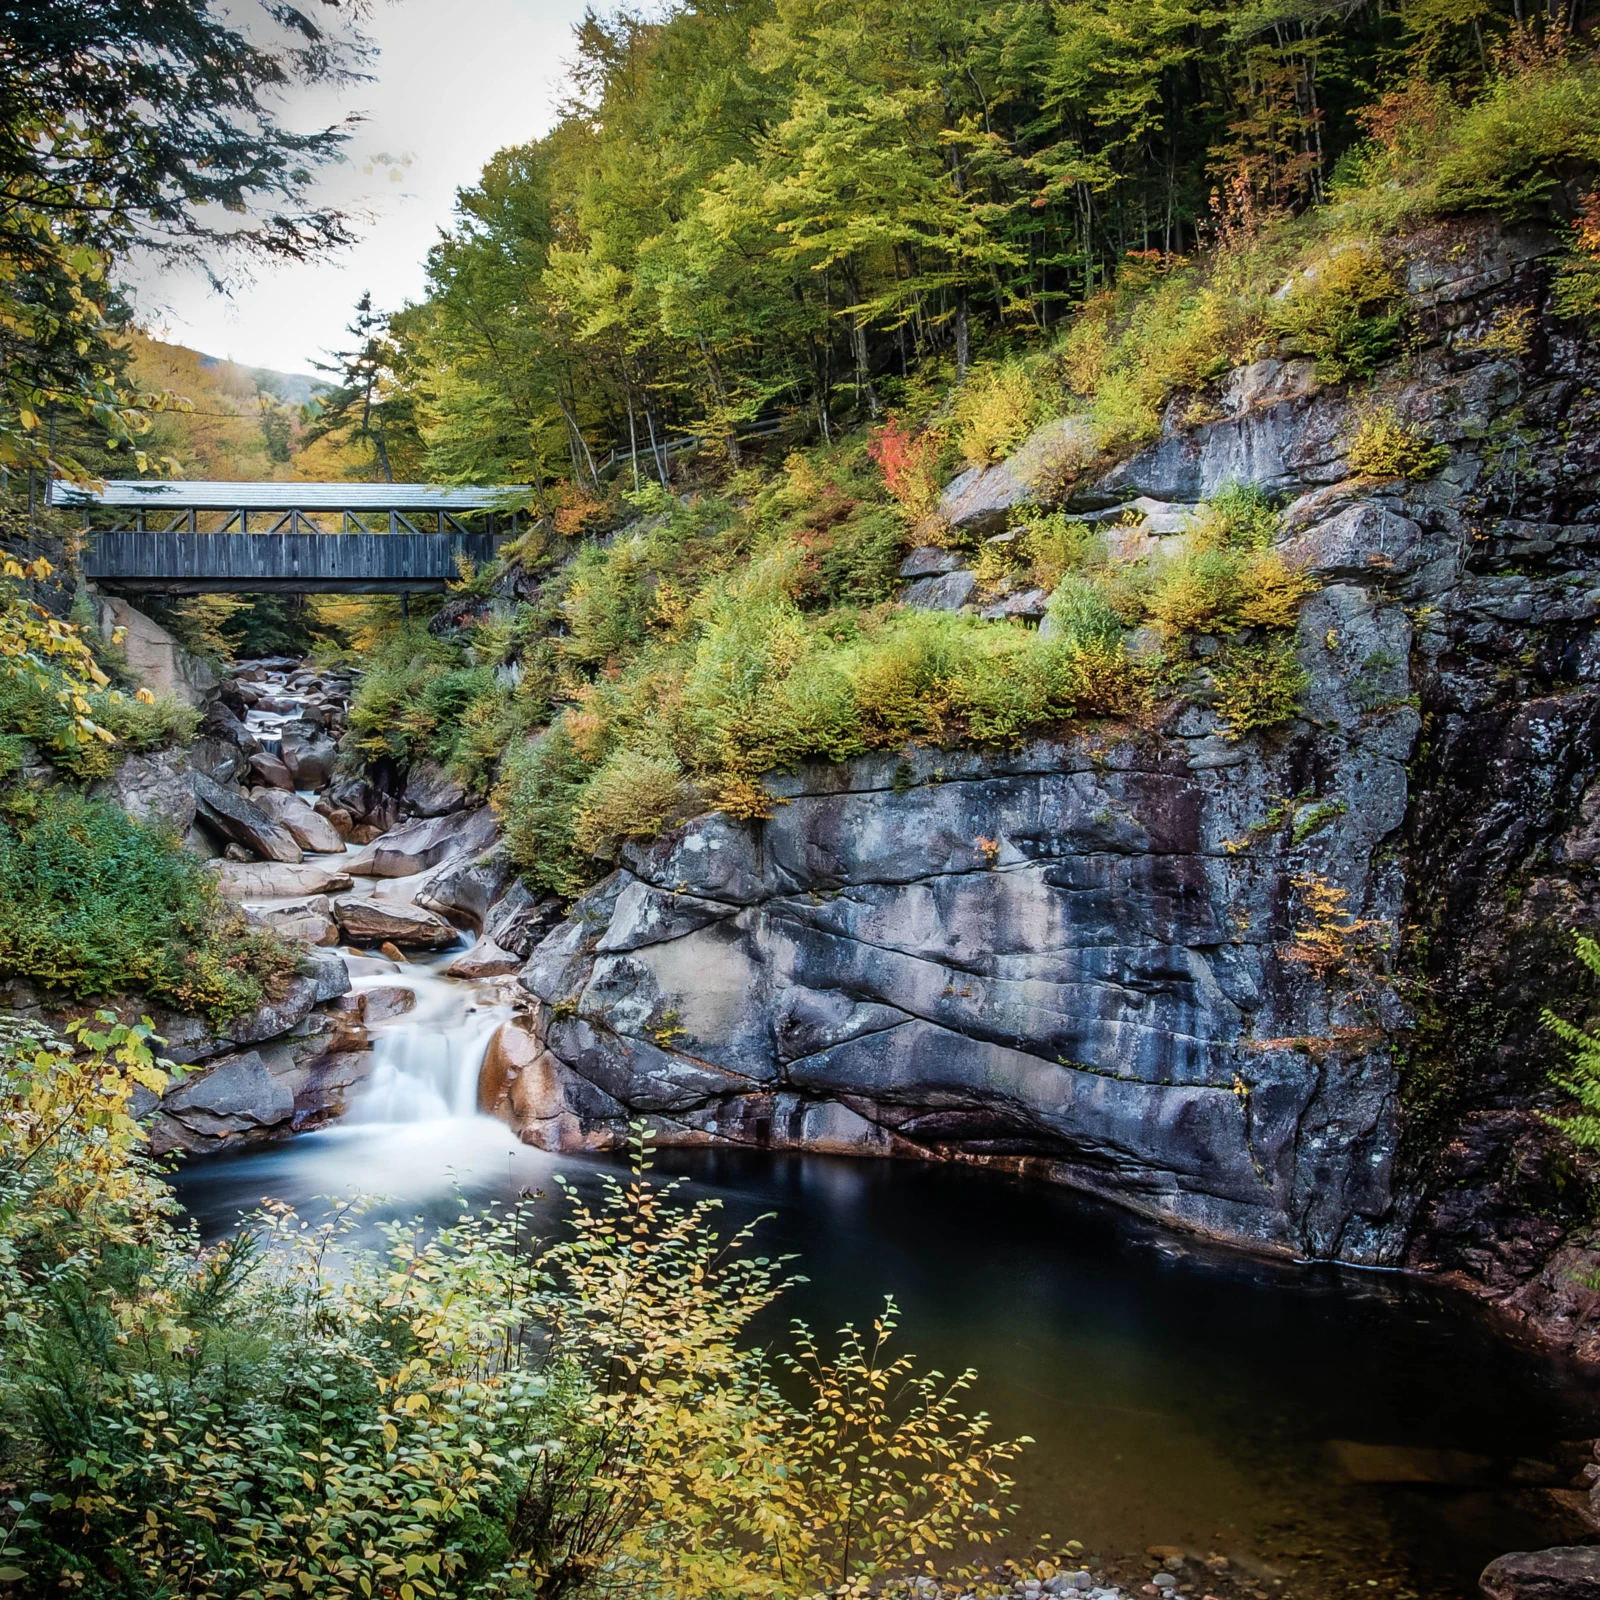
<point>167,494</point>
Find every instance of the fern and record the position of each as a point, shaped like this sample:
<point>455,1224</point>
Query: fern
<point>1581,1080</point>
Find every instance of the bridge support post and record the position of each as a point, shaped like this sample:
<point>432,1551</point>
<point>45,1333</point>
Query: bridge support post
<point>405,606</point>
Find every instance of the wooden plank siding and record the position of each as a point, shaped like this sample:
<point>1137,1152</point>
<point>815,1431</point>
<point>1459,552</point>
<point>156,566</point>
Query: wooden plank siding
<point>253,563</point>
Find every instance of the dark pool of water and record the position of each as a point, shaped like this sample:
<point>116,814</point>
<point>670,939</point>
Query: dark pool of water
<point>1179,1394</point>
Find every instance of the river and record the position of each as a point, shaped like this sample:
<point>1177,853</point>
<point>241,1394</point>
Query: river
<point>1180,1394</point>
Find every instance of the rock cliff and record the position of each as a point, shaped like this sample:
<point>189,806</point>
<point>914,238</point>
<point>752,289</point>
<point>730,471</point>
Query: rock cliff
<point>1285,990</point>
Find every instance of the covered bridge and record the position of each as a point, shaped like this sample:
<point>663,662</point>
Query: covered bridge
<point>207,537</point>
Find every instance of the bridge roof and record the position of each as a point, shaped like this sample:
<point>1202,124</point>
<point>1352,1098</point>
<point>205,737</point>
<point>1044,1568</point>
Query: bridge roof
<point>167,494</point>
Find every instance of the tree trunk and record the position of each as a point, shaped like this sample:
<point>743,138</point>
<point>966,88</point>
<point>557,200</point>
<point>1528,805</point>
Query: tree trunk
<point>963,336</point>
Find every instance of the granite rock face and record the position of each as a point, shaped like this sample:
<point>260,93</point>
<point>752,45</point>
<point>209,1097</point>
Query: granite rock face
<point>1102,955</point>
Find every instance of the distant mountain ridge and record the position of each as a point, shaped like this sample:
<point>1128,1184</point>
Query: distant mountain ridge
<point>293,388</point>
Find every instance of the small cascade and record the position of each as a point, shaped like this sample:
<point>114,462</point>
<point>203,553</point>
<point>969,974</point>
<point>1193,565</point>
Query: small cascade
<point>427,1061</point>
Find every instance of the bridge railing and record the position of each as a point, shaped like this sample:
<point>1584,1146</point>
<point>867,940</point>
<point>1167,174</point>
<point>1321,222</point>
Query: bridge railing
<point>180,562</point>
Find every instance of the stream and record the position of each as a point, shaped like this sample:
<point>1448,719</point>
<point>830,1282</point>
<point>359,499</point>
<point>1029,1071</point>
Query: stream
<point>1180,1394</point>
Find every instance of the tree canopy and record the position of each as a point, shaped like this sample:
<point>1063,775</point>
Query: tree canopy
<point>753,208</point>
<point>141,124</point>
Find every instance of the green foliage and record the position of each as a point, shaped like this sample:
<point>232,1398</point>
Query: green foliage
<point>632,796</point>
<point>1581,1079</point>
<point>468,1413</point>
<point>1344,310</point>
<point>538,796</point>
<point>1258,686</point>
<point>99,905</point>
<point>1386,447</point>
<point>101,150</point>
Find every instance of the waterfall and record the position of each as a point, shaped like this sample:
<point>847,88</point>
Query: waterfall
<point>426,1062</point>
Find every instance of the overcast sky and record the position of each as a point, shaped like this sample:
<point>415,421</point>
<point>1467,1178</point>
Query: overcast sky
<point>455,81</point>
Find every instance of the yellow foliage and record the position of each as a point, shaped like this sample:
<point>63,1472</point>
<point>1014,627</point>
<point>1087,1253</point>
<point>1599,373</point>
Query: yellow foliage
<point>1329,938</point>
<point>995,411</point>
<point>1386,447</point>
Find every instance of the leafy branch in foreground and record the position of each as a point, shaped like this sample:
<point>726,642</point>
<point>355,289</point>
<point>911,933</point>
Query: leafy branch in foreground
<point>461,1412</point>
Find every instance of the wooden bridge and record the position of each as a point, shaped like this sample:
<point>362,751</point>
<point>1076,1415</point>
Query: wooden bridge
<point>329,538</point>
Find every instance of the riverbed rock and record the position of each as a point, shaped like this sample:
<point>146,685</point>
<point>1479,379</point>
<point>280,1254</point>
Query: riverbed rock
<point>236,818</point>
<point>1568,1572</point>
<point>425,843</point>
<point>311,831</point>
<point>311,762</point>
<point>330,972</point>
<point>308,921</point>
<point>386,1001</point>
<point>466,888</point>
<point>154,786</point>
<point>274,1017</point>
<point>270,771</point>
<point>233,1096</point>
<point>262,880</point>
<point>532,1091</point>
<point>338,818</point>
<point>485,959</point>
<point>219,759</point>
<point>521,918</point>
<point>373,922</point>
<point>431,792</point>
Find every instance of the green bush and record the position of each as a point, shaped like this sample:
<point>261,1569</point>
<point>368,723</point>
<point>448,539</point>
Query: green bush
<point>1258,686</point>
<point>1344,309</point>
<point>467,1412</point>
<point>40,712</point>
<point>537,799</point>
<point>96,904</point>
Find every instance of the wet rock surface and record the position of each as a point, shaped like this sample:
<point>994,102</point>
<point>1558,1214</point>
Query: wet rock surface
<point>1094,957</point>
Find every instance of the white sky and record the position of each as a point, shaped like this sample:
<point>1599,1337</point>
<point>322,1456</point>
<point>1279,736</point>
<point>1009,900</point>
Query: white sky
<point>456,80</point>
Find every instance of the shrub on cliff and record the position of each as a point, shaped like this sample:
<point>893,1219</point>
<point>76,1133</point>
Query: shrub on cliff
<point>98,905</point>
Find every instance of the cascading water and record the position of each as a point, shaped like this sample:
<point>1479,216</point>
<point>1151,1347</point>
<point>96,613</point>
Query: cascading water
<point>427,1061</point>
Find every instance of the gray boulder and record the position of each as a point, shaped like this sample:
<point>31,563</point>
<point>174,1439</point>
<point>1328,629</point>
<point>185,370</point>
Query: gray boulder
<point>929,561</point>
<point>372,922</point>
<point>270,770</point>
<point>219,759</point>
<point>235,1095</point>
<point>311,762</point>
<point>153,786</point>
<point>273,1017</point>
<point>311,831</point>
<point>521,919</point>
<point>464,889</point>
<point>261,880</point>
<point>1567,1572</point>
<point>308,921</point>
<point>431,792</point>
<point>221,723</point>
<point>485,959</point>
<point>245,824</point>
<point>331,974</point>
<point>947,593</point>
<point>425,843</point>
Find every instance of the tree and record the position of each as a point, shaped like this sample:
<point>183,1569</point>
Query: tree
<point>367,405</point>
<point>137,124</point>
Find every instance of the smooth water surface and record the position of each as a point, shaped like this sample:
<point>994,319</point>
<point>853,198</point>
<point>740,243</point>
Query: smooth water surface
<point>1179,1394</point>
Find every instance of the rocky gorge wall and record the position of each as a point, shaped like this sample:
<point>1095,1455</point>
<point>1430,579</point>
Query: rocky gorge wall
<point>1285,990</point>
